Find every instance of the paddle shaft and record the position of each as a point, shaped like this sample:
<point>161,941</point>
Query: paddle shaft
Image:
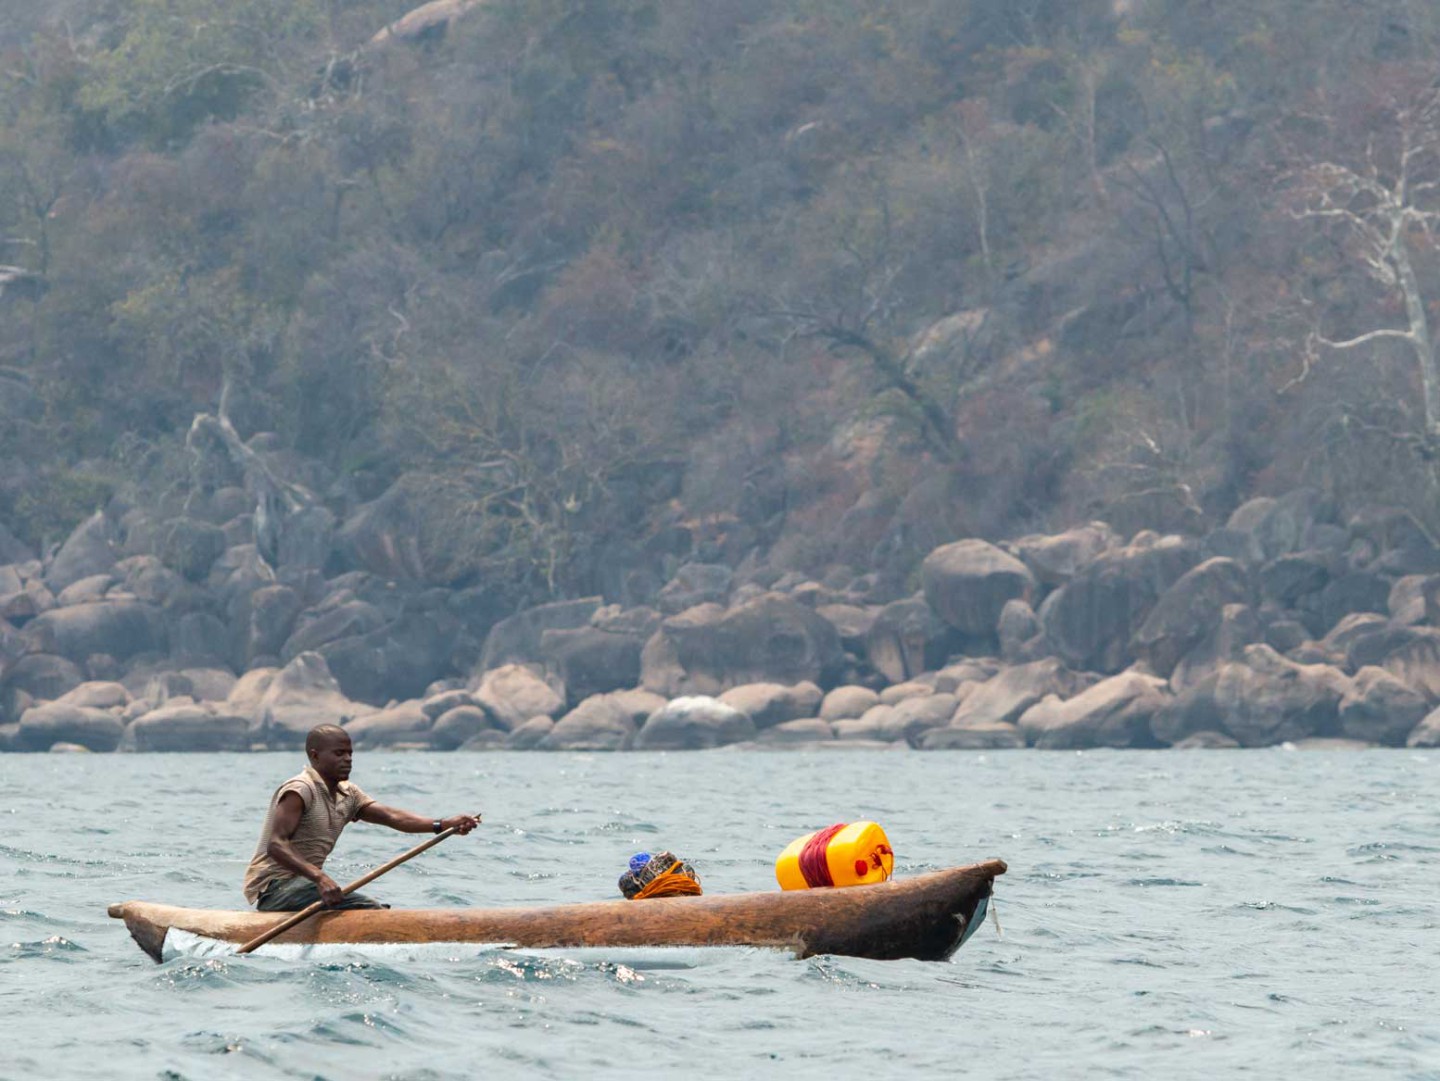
<point>365,879</point>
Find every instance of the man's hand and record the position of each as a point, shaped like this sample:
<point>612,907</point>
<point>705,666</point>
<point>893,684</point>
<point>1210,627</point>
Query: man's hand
<point>461,824</point>
<point>330,892</point>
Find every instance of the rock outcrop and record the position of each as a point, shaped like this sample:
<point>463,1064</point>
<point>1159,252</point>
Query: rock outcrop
<point>201,631</point>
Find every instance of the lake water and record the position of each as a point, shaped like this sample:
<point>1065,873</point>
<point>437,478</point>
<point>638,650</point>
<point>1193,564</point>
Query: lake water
<point>1192,914</point>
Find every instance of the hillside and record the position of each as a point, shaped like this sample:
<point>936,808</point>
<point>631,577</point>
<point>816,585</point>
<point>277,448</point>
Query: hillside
<point>548,299</point>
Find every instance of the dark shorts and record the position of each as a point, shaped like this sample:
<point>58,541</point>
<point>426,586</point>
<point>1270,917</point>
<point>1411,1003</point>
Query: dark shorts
<point>293,894</point>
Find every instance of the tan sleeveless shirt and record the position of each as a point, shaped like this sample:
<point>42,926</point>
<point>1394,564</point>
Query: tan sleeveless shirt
<point>321,823</point>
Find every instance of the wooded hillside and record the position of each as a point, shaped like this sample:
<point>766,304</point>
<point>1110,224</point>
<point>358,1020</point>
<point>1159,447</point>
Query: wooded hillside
<point>572,292</point>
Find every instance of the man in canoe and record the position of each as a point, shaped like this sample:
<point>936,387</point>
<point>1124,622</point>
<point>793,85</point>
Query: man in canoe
<point>306,816</point>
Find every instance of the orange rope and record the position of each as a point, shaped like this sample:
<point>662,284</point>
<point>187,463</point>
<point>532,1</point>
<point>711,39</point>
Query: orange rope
<point>671,884</point>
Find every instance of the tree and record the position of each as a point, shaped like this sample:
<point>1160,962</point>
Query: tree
<point>183,62</point>
<point>1382,201</point>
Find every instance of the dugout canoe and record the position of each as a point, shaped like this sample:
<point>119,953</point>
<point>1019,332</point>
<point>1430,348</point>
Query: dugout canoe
<point>926,917</point>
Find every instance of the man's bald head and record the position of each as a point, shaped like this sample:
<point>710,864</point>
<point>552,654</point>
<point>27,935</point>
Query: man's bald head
<point>323,736</point>
<point>328,748</point>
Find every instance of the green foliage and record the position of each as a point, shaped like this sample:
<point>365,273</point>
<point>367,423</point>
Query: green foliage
<point>49,511</point>
<point>564,244</point>
<point>180,63</point>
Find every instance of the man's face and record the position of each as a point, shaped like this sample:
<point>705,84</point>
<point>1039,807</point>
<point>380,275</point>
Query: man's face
<point>332,758</point>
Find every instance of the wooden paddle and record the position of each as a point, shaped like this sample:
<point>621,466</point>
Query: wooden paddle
<point>310,910</point>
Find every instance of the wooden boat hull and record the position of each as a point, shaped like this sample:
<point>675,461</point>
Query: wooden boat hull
<point>925,917</point>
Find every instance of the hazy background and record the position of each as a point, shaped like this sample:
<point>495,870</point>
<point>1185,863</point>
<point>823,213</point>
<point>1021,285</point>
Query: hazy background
<point>594,284</point>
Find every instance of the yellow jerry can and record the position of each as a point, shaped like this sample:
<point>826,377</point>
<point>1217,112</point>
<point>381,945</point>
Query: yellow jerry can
<point>853,854</point>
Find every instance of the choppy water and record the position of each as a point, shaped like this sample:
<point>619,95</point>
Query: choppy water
<point>1264,913</point>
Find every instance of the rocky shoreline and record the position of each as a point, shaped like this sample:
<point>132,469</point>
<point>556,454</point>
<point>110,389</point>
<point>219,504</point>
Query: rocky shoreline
<point>1284,626</point>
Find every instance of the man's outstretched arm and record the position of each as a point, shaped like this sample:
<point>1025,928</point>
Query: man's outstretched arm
<point>409,822</point>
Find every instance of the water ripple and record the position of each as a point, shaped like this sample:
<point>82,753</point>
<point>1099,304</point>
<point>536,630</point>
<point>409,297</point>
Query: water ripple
<point>1165,915</point>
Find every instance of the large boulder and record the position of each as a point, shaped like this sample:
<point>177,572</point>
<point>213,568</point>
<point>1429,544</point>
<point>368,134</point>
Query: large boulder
<point>187,727</point>
<point>32,600</point>
<point>530,735</point>
<point>273,612</point>
<point>516,640</point>
<point>456,726</point>
<point>771,639</point>
<point>955,677</point>
<point>1292,577</point>
<point>384,536</point>
<point>249,691</point>
<point>423,24</point>
<point>596,724</point>
<point>201,638</point>
<point>1378,708</point>
<point>907,638</point>
<point>514,694</point>
<point>117,628</point>
<point>1237,627</point>
<point>1187,611</point>
<point>693,723</point>
<point>207,684</point>
<point>96,695</point>
<point>1410,654</point>
<point>1275,527</point>
<point>638,704</point>
<point>1115,712</point>
<point>852,622</point>
<point>898,692</point>
<point>86,591</point>
<point>1021,637</point>
<point>769,704</point>
<point>1398,542</point>
<point>340,618</point>
<point>1260,700</point>
<point>1090,621</point>
<point>1427,732</point>
<point>1353,629</point>
<point>300,696</point>
<point>589,661</point>
<point>905,721</point>
<point>1358,591</point>
<point>1378,640</point>
<point>147,579</point>
<point>1055,560</point>
<point>190,547</point>
<point>44,725</point>
<point>1406,603</point>
<point>967,584</point>
<point>847,703</point>
<point>695,583</point>
<point>438,704</point>
<point>403,722</point>
<point>91,549</point>
<point>1008,695</point>
<point>877,725</point>
<point>396,661</point>
<point>41,676</point>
